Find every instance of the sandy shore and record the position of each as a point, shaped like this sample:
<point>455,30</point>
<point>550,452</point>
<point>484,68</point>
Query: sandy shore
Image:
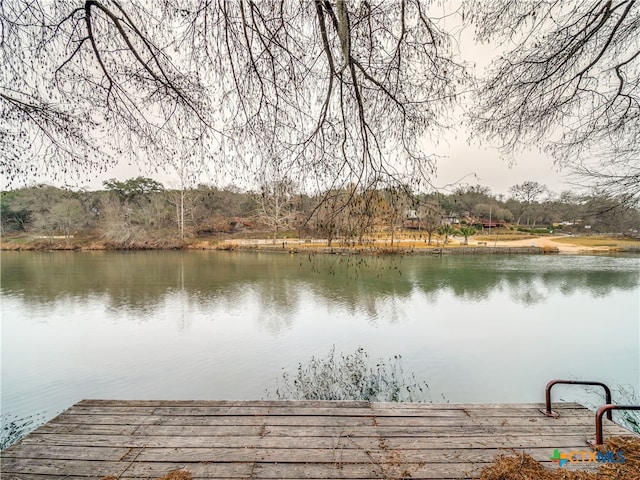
<point>547,242</point>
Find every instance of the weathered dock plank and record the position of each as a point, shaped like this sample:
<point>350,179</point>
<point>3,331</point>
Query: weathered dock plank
<point>472,439</point>
<point>291,439</point>
<point>307,420</point>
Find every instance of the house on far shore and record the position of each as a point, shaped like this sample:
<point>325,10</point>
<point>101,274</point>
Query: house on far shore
<point>452,219</point>
<point>491,224</point>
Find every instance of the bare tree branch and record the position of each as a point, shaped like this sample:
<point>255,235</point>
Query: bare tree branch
<point>571,85</point>
<point>329,93</point>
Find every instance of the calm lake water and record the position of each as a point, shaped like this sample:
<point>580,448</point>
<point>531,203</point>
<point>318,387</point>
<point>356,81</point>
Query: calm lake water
<point>223,325</point>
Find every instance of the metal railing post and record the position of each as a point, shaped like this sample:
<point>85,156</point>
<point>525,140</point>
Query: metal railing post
<point>608,408</point>
<point>547,393</point>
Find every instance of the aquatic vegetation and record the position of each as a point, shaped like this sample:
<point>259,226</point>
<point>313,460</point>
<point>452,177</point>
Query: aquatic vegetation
<point>622,395</point>
<point>14,428</point>
<point>628,418</point>
<point>352,377</point>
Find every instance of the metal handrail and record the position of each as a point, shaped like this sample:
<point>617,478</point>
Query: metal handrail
<point>607,408</point>
<point>547,392</point>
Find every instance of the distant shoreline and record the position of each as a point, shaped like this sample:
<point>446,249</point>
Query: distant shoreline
<point>475,246</point>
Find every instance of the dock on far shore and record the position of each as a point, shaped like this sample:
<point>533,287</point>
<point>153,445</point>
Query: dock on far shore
<point>295,439</point>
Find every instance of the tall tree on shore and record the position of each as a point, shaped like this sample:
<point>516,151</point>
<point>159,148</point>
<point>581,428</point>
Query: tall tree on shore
<point>133,188</point>
<point>430,217</point>
<point>528,193</point>
<point>275,204</point>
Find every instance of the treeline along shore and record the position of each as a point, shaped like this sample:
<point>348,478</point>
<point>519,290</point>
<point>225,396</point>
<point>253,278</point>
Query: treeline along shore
<point>141,214</point>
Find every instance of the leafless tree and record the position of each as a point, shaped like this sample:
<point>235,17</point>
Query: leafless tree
<point>361,214</point>
<point>187,209</point>
<point>431,217</point>
<point>348,213</point>
<point>275,204</point>
<point>571,84</point>
<point>85,83</point>
<point>397,203</point>
<point>331,91</point>
<point>184,163</point>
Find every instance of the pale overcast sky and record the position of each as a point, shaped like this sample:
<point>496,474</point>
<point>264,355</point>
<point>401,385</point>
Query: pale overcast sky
<point>484,165</point>
<point>464,164</point>
<point>481,163</point>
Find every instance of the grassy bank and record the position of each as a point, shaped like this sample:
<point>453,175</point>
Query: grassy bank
<point>599,241</point>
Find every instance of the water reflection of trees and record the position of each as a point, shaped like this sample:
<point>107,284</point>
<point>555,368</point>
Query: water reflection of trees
<point>140,281</point>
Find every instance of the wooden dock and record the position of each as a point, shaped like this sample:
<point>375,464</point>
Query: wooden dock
<point>292,439</point>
